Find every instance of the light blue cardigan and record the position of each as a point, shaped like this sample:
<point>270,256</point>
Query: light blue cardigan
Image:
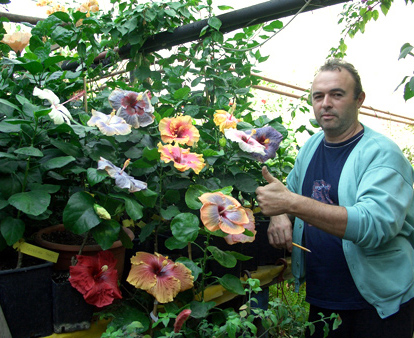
<point>376,188</point>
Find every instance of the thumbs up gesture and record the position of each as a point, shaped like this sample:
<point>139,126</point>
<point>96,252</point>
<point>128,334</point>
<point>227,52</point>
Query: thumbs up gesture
<point>272,197</point>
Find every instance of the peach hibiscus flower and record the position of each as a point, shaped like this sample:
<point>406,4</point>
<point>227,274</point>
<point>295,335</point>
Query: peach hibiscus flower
<point>159,276</point>
<point>242,238</point>
<point>178,129</point>
<point>17,41</point>
<point>223,212</point>
<point>183,159</point>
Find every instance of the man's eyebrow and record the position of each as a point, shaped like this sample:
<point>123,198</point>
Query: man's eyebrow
<point>333,90</point>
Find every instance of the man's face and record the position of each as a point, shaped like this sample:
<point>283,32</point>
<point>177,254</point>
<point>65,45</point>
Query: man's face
<point>334,105</point>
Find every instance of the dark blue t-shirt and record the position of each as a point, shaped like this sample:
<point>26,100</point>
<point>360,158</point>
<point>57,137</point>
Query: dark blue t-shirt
<point>329,283</point>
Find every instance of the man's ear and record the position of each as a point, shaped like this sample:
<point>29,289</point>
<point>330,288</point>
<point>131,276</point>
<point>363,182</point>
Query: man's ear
<point>361,99</point>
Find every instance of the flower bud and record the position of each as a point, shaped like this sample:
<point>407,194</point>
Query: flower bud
<point>223,142</point>
<point>101,211</point>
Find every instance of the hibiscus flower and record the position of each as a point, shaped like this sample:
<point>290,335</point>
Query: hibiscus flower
<point>135,108</point>
<point>17,41</point>
<point>59,113</point>
<point>122,179</point>
<point>109,124</point>
<point>96,278</point>
<point>245,141</point>
<point>182,158</point>
<point>223,212</point>
<point>270,138</point>
<point>178,129</point>
<point>242,238</point>
<point>225,120</point>
<point>159,276</point>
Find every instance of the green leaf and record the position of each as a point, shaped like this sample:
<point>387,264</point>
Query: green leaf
<point>246,183</point>
<point>185,227</point>
<point>68,148</point>
<point>49,188</point>
<point>33,67</point>
<point>224,7</point>
<point>29,151</point>
<point>7,103</point>
<point>173,243</point>
<point>9,128</point>
<point>62,36</point>
<point>408,91</point>
<point>182,93</point>
<point>214,22</point>
<point>170,212</point>
<point>147,197</point>
<point>190,264</point>
<point>132,207</point>
<point>106,233</point>
<point>79,215</point>
<point>203,31</point>
<point>42,112</point>
<point>232,284</point>
<point>201,309</point>
<point>192,194</point>
<point>7,155</point>
<point>95,176</point>
<point>225,259</point>
<point>31,203</point>
<point>273,26</point>
<point>3,204</point>
<point>58,162</point>
<point>12,229</point>
<point>147,230</point>
<point>405,50</point>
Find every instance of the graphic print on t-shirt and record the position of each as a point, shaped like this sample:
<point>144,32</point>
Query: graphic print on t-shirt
<point>320,191</point>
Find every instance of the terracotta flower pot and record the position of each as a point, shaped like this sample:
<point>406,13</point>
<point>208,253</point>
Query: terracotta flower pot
<point>66,252</point>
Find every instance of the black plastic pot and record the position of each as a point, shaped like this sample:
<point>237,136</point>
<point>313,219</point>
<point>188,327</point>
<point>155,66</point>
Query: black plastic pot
<point>260,249</point>
<point>70,311</point>
<point>26,300</point>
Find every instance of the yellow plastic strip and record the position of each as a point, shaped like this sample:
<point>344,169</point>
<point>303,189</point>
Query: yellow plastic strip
<point>36,251</point>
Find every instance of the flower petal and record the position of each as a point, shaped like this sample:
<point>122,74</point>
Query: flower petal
<point>241,238</point>
<point>178,129</point>
<point>46,94</point>
<point>245,141</point>
<point>159,276</point>
<point>96,278</point>
<point>135,108</point>
<point>109,124</point>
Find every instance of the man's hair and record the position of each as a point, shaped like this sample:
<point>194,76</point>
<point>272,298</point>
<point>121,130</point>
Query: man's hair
<point>339,64</point>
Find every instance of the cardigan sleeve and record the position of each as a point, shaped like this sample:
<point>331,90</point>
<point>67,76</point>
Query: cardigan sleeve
<point>384,206</point>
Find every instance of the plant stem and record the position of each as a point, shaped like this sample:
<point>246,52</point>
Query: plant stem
<point>203,267</point>
<point>85,239</point>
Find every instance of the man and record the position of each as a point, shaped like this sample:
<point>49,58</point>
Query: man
<point>350,195</point>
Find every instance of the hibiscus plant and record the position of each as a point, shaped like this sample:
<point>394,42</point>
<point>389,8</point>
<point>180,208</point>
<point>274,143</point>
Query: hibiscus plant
<point>170,146</point>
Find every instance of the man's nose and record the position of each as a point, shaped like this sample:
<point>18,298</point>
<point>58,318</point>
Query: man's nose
<point>327,102</point>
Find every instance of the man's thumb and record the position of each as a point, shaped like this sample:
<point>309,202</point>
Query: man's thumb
<point>268,176</point>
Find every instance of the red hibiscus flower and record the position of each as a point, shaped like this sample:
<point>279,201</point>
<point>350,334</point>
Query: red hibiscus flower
<point>96,278</point>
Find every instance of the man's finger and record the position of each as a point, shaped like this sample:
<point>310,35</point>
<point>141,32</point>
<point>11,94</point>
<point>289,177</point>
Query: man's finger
<point>268,176</point>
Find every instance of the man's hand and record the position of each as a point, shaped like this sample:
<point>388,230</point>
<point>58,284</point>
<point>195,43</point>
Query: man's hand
<point>279,232</point>
<point>273,197</point>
